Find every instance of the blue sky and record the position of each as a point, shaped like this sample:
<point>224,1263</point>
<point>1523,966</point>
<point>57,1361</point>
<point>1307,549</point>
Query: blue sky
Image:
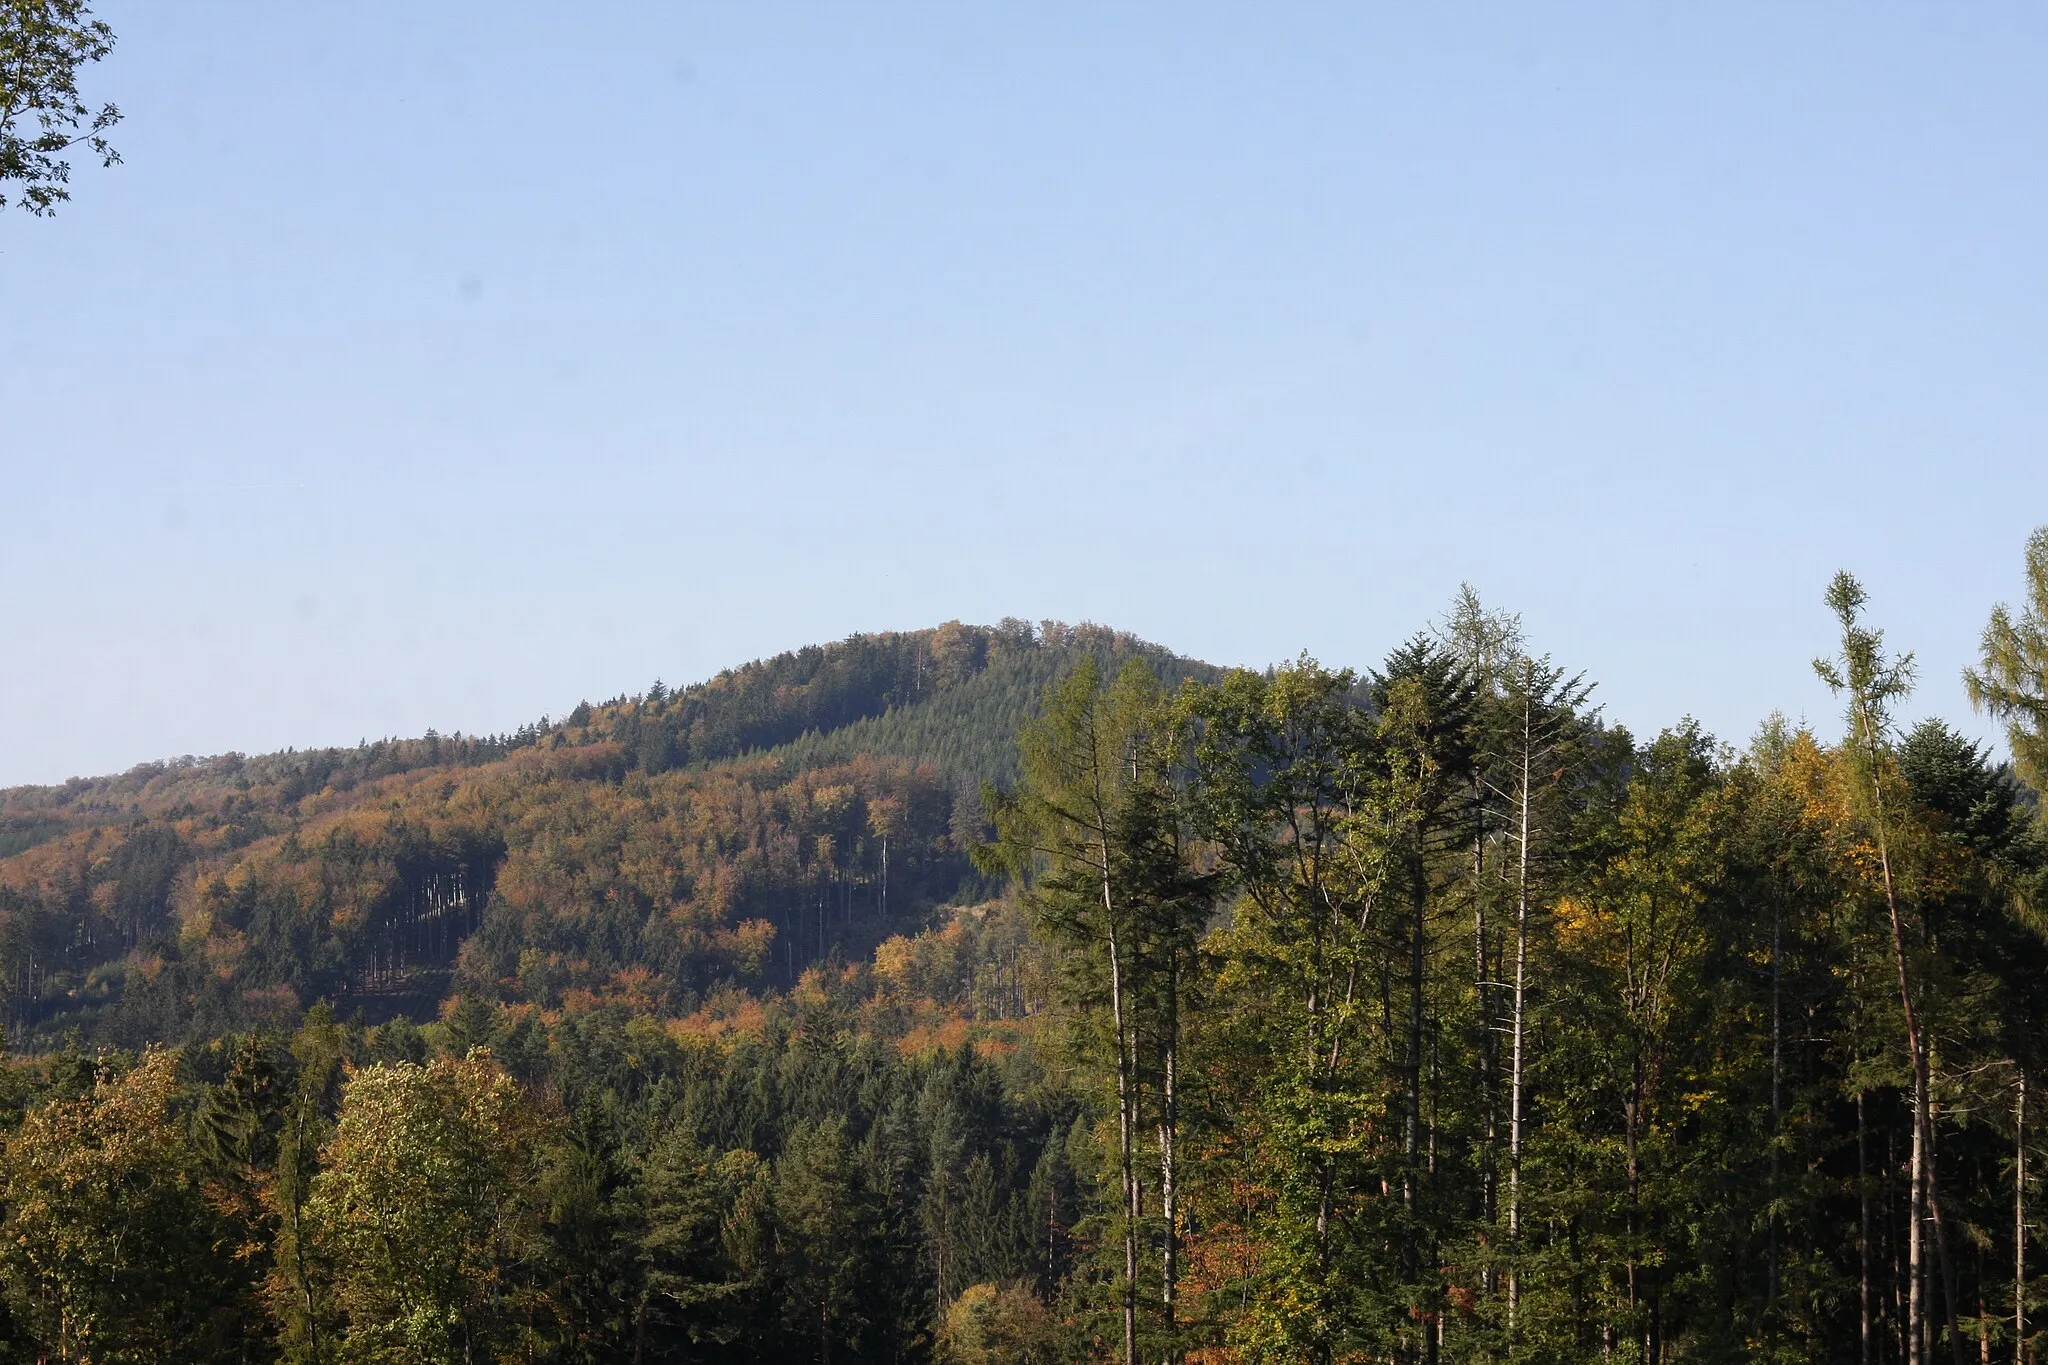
<point>442,365</point>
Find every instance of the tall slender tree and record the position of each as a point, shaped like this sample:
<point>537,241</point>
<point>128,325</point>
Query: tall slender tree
<point>1873,682</point>
<point>1292,793</point>
<point>1489,645</point>
<point>1546,725</point>
<point>1098,831</point>
<point>1425,703</point>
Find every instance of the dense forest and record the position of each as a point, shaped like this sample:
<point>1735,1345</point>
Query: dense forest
<point>1031,994</point>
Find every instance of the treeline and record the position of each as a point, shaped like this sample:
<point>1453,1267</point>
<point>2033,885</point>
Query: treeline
<point>756,706</point>
<point>495,1187</point>
<point>833,703</point>
<point>969,728</point>
<point>255,796</point>
<point>1432,1019</point>
<point>820,687</point>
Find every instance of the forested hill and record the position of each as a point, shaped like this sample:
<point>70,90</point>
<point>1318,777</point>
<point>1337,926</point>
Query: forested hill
<point>651,848</point>
<point>1414,1015</point>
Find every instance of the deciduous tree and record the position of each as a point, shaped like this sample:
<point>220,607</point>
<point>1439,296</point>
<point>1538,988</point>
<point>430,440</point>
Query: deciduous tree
<point>43,46</point>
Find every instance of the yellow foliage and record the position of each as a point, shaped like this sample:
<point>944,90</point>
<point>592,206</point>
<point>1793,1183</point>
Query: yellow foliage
<point>1575,921</point>
<point>991,1326</point>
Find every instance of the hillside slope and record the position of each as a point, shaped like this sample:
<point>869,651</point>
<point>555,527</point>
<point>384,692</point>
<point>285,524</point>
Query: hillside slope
<point>653,849</point>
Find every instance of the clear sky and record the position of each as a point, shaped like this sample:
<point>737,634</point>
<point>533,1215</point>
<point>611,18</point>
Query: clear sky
<point>440,365</point>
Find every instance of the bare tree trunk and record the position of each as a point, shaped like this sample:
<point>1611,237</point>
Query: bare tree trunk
<point>1489,1047</point>
<point>1632,1116</point>
<point>2019,1225</point>
<point>1944,1258</point>
<point>1898,1272</point>
<point>1916,1274</point>
<point>1126,1119</point>
<point>1433,1322</point>
<point>1482,988</point>
<point>297,1211</point>
<point>1169,1117</point>
<point>1924,1174</point>
<point>1411,1137</point>
<point>1515,1099</point>
<point>1863,1247</point>
<point>1777,1091</point>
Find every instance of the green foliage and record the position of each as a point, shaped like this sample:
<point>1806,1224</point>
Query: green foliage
<point>424,1207</point>
<point>43,43</point>
<point>110,1249</point>
<point>969,727</point>
<point>1289,1016</point>
<point>2011,682</point>
<point>702,1220</point>
<point>988,1325</point>
<point>1100,833</point>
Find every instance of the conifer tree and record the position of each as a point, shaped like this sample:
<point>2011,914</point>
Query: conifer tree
<point>1098,831</point>
<point>1293,794</point>
<point>1425,703</point>
<point>2011,681</point>
<point>1545,731</point>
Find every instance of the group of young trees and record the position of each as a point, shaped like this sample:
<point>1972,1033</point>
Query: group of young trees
<point>604,1190</point>
<point>1430,1018</point>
